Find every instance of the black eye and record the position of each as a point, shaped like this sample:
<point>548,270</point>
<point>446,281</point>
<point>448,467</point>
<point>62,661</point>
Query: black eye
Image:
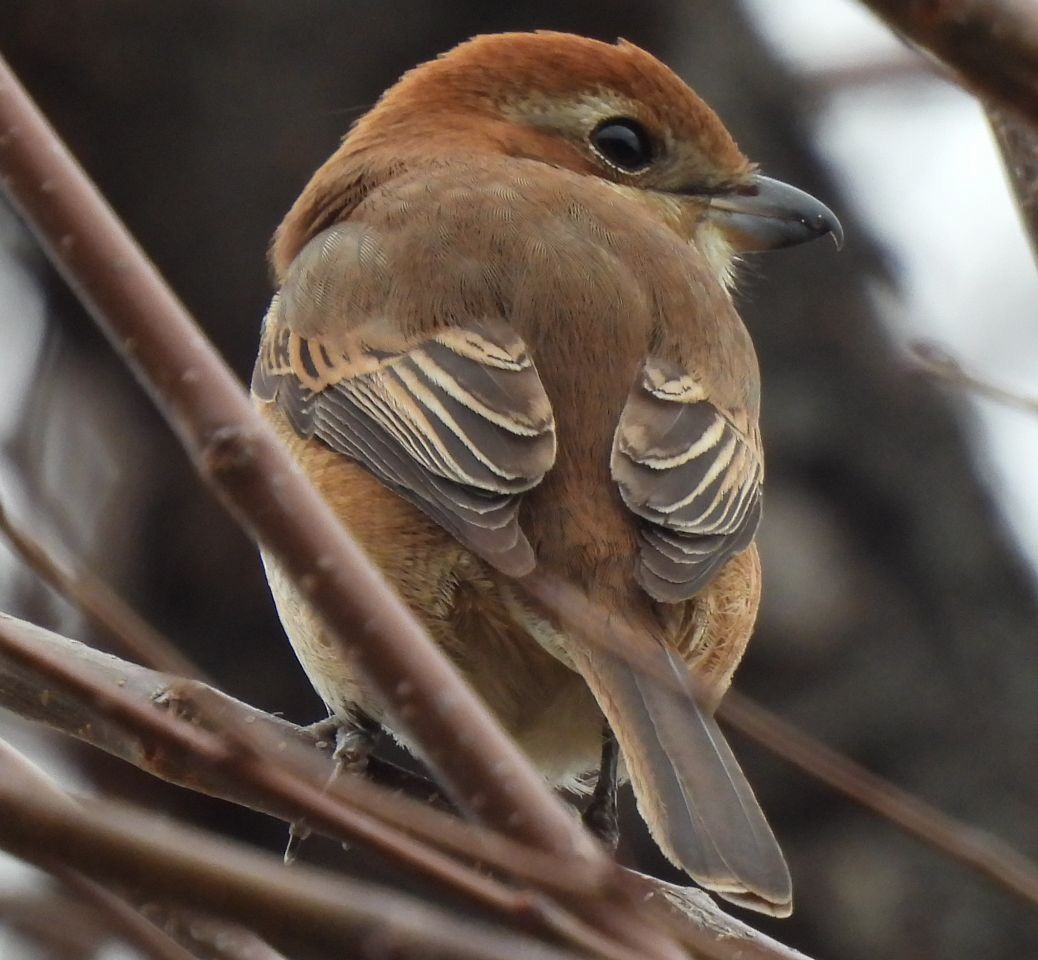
<point>623,143</point>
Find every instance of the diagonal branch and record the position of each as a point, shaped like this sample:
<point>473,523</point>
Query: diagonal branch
<point>1017,141</point>
<point>990,45</point>
<point>936,362</point>
<point>968,845</point>
<point>31,687</point>
<point>115,844</point>
<point>960,841</point>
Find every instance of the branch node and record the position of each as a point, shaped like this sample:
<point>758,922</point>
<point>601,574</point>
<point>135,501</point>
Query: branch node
<point>229,451</point>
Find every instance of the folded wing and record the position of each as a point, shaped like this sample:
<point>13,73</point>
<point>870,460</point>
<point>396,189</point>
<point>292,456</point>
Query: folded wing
<point>455,420</point>
<point>692,474</point>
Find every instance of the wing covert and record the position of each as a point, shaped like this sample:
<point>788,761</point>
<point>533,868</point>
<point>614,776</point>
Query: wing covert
<point>456,421</point>
<point>691,473</point>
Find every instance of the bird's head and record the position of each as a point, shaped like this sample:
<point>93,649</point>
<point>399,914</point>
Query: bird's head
<point>605,110</point>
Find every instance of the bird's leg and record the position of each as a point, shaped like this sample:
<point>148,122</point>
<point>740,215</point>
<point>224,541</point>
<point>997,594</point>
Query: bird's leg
<point>383,772</point>
<point>600,813</point>
<point>354,741</point>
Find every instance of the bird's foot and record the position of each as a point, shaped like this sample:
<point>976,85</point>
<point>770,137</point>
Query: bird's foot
<point>600,815</point>
<point>354,742</point>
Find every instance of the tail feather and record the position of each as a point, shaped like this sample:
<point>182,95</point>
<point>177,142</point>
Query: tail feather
<point>689,786</point>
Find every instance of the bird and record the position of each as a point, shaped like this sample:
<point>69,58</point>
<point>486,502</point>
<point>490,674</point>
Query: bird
<point>503,345</point>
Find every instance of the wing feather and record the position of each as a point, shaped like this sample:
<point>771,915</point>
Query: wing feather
<point>691,474</point>
<point>456,421</point>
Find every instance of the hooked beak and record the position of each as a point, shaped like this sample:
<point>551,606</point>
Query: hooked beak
<point>767,214</point>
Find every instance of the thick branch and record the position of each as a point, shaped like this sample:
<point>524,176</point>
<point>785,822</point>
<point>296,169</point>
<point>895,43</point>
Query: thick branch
<point>27,689</point>
<point>1018,143</point>
<point>991,45</point>
<point>114,844</point>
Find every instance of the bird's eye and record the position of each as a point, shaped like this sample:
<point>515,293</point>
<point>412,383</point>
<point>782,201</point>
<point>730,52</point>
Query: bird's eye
<point>624,143</point>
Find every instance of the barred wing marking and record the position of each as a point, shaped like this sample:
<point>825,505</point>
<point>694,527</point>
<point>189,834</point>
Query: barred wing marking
<point>456,421</point>
<point>692,474</point>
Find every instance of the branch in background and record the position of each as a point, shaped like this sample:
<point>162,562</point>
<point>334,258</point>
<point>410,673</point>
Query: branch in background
<point>959,841</point>
<point>209,938</point>
<point>990,45</point>
<point>129,925</point>
<point>93,598</point>
<point>966,844</point>
<point>113,844</point>
<point>54,922</point>
<point>936,362</point>
<point>1018,143</point>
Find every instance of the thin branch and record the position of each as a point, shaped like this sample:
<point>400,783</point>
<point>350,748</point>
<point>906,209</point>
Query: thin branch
<point>129,925</point>
<point>123,920</point>
<point>962,842</point>
<point>118,707</point>
<point>936,362</point>
<point>93,597</point>
<point>114,844</point>
<point>990,45</point>
<point>966,844</point>
<point>209,938</point>
<point>254,476</point>
<point>28,689</point>
<point>55,922</point>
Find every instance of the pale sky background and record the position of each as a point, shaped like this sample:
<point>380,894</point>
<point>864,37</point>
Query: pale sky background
<point>916,157</point>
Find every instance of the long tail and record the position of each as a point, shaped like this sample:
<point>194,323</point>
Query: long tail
<point>689,786</point>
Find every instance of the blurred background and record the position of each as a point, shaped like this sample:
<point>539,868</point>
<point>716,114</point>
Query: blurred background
<point>901,522</point>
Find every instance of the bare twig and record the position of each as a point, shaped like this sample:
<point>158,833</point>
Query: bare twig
<point>113,704</point>
<point>1018,143</point>
<point>937,362</point>
<point>960,841</point>
<point>991,45</point>
<point>55,922</point>
<point>255,478</point>
<point>209,938</point>
<point>114,844</point>
<point>26,688</point>
<point>122,919</point>
<point>92,596</point>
